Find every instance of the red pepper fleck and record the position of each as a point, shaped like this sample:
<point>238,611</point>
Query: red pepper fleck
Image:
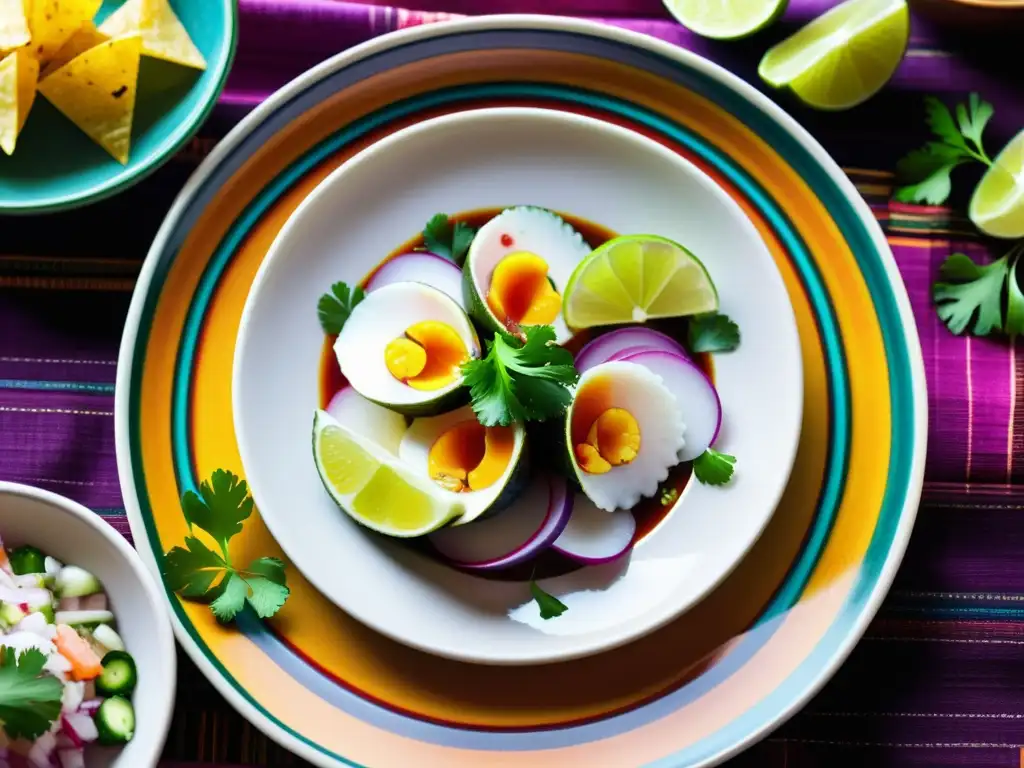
<point>507,241</point>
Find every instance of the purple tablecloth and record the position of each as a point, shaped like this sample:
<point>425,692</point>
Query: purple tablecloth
<point>938,681</point>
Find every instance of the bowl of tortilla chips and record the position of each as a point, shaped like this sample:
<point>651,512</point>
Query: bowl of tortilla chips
<point>97,94</point>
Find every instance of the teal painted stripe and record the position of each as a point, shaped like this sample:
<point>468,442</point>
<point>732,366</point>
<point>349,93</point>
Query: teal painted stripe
<point>89,388</point>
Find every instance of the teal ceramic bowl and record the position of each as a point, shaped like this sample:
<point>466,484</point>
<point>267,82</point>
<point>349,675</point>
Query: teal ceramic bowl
<point>56,166</point>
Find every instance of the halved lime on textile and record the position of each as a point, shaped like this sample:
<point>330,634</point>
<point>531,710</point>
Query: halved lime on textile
<point>844,56</point>
<point>635,278</point>
<point>725,19</point>
<point>374,487</point>
<point>997,205</point>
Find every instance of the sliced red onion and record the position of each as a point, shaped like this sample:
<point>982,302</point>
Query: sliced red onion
<point>71,758</point>
<point>96,602</point>
<point>367,418</point>
<point>696,395</point>
<point>609,346</point>
<point>36,624</point>
<point>7,577</point>
<point>514,535</point>
<point>29,580</point>
<point>90,706</point>
<point>421,267</point>
<point>80,727</point>
<point>593,536</point>
<point>42,749</point>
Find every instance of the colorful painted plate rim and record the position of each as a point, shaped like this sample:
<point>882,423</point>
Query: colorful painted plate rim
<point>134,173</point>
<point>869,596</point>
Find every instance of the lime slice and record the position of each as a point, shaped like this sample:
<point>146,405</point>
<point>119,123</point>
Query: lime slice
<point>635,278</point>
<point>374,487</point>
<point>997,205</point>
<point>844,56</point>
<point>725,19</point>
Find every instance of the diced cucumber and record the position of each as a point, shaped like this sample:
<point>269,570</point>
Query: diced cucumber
<point>73,581</point>
<point>119,675</point>
<point>27,559</point>
<point>84,618</point>
<point>10,614</point>
<point>47,612</point>
<point>106,636</point>
<point>115,721</point>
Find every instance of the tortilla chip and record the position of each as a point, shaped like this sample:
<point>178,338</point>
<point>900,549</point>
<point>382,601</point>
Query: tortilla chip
<point>53,22</point>
<point>163,34</point>
<point>86,37</point>
<point>96,91</point>
<point>18,73</point>
<point>13,25</point>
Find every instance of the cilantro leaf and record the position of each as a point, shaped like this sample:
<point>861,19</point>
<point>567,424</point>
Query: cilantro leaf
<point>191,572</point>
<point>549,605</point>
<point>266,596</point>
<point>231,599</point>
<point>334,308</point>
<point>520,380</point>
<point>224,505</point>
<point>448,239</point>
<point>969,295</point>
<point>714,468</point>
<point>712,332</point>
<point>29,700</point>
<point>925,172</point>
<point>197,572</point>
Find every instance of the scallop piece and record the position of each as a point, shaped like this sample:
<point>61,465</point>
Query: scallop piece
<point>624,432</point>
<point>517,267</point>
<point>485,466</point>
<point>402,347</point>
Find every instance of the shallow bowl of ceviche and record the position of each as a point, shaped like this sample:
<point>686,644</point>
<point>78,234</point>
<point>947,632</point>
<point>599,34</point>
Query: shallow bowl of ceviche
<point>87,658</point>
<point>517,386</point>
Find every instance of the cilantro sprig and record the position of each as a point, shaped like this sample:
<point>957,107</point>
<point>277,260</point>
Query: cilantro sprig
<point>29,699</point>
<point>712,332</point>
<point>981,299</point>
<point>447,238</point>
<point>550,606</point>
<point>926,171</point>
<point>714,468</point>
<point>521,379</point>
<point>334,308</point>
<point>197,572</point>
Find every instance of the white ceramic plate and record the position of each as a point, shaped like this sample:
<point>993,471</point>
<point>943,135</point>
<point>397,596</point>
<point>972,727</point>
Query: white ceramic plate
<point>500,157</point>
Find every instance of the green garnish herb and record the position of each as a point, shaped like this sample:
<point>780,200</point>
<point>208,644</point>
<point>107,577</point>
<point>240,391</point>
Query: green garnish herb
<point>714,468</point>
<point>970,296</point>
<point>335,307</point>
<point>521,380</point>
<point>199,573</point>
<point>29,699</point>
<point>712,332</point>
<point>550,606</point>
<point>926,171</point>
<point>447,238</point>
<point>668,496</point>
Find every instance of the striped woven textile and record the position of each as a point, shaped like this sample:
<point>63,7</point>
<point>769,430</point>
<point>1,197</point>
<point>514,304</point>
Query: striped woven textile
<point>939,679</point>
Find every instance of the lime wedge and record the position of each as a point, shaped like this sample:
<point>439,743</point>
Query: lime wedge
<point>725,19</point>
<point>844,56</point>
<point>636,278</point>
<point>997,205</point>
<point>373,487</point>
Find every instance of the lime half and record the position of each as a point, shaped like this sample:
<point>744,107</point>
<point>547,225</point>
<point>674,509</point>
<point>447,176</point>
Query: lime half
<point>636,278</point>
<point>725,19</point>
<point>844,56</point>
<point>375,488</point>
<point>997,205</point>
